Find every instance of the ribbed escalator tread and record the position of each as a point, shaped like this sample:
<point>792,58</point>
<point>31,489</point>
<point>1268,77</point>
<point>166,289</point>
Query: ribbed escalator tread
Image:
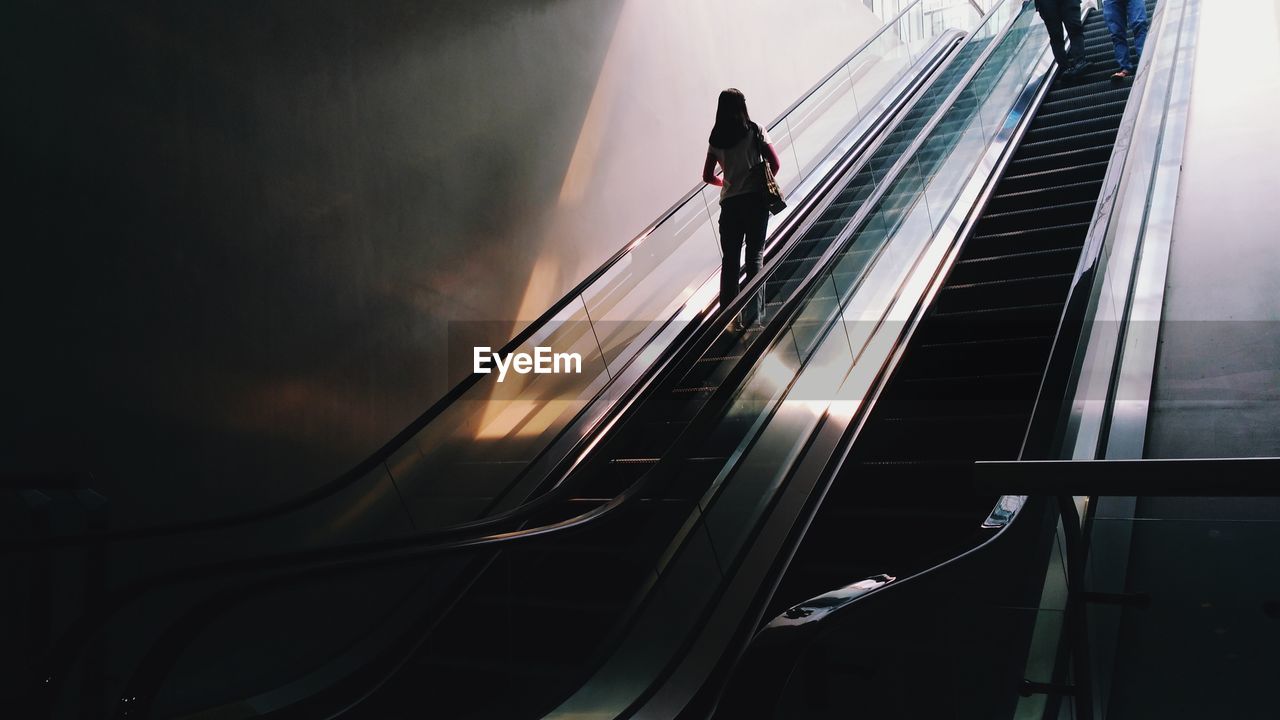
<point>1033,261</point>
<point>1035,198</point>
<point>1054,176</point>
<point>1095,138</point>
<point>1053,107</point>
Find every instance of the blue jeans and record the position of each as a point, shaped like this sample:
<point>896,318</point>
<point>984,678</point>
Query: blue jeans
<point>1123,16</point>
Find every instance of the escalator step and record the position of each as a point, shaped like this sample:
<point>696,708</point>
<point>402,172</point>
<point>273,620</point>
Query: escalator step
<point>953,437</point>
<point>1006,393</point>
<point>1069,213</point>
<point>1025,239</point>
<point>694,390</point>
<point>1084,140</point>
<point>1015,355</point>
<point>1058,161</point>
<point>1039,262</point>
<point>1010,292</point>
<point>1100,73</point>
<point>1088,110</point>
<point>1007,201</point>
<point>1056,130</point>
<point>1058,176</point>
<point>1089,89</point>
<point>1084,102</point>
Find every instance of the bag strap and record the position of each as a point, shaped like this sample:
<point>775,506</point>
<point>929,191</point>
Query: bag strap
<point>760,145</point>
<point>755,127</point>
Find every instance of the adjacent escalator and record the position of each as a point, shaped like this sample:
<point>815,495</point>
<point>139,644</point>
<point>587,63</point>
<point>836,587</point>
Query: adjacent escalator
<point>967,384</point>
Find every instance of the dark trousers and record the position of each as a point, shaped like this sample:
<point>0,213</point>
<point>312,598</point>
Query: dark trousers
<point>1058,15</point>
<point>742,218</point>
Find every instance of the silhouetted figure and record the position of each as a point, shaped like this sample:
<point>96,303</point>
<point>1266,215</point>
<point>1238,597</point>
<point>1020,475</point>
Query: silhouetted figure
<point>1123,17</point>
<point>737,145</point>
<point>1057,16</point>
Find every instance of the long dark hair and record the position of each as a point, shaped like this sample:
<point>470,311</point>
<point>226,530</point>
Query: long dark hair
<point>732,119</point>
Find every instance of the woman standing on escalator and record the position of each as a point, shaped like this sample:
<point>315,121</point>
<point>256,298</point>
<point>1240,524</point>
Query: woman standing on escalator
<point>738,145</point>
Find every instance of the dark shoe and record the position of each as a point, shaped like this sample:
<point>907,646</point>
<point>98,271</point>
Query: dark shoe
<point>1075,71</point>
<point>753,324</point>
<point>1121,75</point>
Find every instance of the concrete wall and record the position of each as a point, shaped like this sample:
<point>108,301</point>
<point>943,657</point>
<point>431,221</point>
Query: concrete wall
<point>242,228</point>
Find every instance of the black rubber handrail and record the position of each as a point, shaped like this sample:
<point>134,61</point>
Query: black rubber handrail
<point>381,455</point>
<point>374,553</point>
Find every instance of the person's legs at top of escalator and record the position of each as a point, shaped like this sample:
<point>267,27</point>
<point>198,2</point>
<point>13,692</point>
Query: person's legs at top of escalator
<point>1138,24</point>
<point>756,217</point>
<point>1075,34</point>
<point>1062,22</point>
<point>1123,17</point>
<point>1048,10</point>
<point>744,219</point>
<point>733,228</point>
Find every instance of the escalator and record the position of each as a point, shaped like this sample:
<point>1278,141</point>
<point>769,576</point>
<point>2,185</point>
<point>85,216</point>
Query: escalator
<point>540,617</point>
<point>509,441</point>
<point>446,474</point>
<point>510,629</point>
<point>514,628</point>
<point>528,618</point>
<point>967,384</point>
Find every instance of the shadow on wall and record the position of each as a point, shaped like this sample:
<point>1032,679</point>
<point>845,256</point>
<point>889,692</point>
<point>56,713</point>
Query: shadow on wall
<point>243,227</point>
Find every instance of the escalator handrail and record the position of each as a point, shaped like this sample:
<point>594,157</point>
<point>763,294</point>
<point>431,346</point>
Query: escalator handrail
<point>367,554</point>
<point>382,454</point>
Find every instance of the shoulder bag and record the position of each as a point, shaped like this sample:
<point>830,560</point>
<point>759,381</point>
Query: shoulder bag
<point>775,200</point>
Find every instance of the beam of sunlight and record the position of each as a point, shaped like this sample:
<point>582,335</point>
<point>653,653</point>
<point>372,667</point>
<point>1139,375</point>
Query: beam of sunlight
<point>582,165</point>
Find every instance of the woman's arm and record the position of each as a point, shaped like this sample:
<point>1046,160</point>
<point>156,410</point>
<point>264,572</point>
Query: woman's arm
<point>709,172</point>
<point>774,161</point>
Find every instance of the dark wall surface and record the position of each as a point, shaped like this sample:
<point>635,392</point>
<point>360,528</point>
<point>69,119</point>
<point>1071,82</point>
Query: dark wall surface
<point>239,229</point>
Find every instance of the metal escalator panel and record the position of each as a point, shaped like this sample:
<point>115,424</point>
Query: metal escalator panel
<point>966,386</point>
